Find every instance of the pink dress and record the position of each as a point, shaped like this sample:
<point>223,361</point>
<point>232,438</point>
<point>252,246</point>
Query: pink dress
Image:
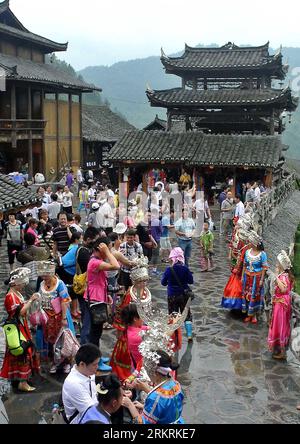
<point>96,282</point>
<point>280,328</point>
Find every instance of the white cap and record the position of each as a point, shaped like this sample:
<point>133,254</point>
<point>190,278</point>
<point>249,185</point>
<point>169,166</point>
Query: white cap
<point>95,206</point>
<point>120,229</point>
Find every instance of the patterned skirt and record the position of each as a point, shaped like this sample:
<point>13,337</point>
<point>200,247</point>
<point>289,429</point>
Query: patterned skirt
<point>252,294</point>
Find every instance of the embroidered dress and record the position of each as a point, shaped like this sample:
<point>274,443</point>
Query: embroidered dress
<point>232,298</point>
<point>280,328</point>
<point>253,293</point>
<point>164,404</point>
<point>46,336</point>
<point>19,368</point>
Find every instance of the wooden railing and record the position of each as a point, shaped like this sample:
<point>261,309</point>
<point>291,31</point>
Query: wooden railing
<point>21,124</point>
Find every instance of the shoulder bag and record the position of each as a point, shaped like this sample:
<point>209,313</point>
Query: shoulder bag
<point>79,280</point>
<point>98,311</point>
<point>188,293</point>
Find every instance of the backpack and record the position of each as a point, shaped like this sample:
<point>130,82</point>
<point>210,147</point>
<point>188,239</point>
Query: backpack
<point>16,342</point>
<point>80,279</point>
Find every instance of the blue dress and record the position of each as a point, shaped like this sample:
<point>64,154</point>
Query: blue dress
<point>164,404</point>
<point>253,293</point>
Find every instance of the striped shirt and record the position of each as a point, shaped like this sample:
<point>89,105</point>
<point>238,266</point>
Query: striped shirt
<point>60,236</point>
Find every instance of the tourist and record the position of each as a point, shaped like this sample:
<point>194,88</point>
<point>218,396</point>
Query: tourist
<point>207,249</point>
<point>255,267</point>
<point>67,200</point>
<point>41,194</point>
<point>19,369</point>
<point>280,326</point>
<point>76,225</point>
<point>67,271</point>
<point>55,301</point>
<point>32,229</point>
<point>101,261</point>
<point>79,389</point>
<point>165,240</point>
<point>120,230</point>
<point>156,232</point>
<point>227,211</point>
<point>14,235</point>
<point>46,240</point>
<point>221,198</point>
<point>257,192</point>
<point>92,194</point>
<point>60,195</point>
<point>185,230</point>
<point>178,278</point>
<point>61,235</point>
<point>92,219</point>
<point>110,400</point>
<point>158,409</point>
<point>48,195</point>
<point>30,258</point>
<point>131,250</point>
<point>145,237</point>
<point>70,179</point>
<point>43,220</point>
<point>84,254</point>
<point>109,215</point>
<point>239,208</point>
<point>250,194</point>
<point>79,177</point>
<point>83,200</point>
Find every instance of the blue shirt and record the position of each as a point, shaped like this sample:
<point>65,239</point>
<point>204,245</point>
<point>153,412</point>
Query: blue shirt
<point>69,260</point>
<point>186,226</point>
<point>184,275</point>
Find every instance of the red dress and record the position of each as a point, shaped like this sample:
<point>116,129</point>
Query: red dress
<point>19,368</point>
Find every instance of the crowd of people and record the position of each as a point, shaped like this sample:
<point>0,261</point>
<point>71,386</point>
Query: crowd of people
<point>87,278</point>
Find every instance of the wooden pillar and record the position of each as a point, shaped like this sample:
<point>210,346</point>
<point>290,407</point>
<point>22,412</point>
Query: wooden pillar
<point>58,154</point>
<point>29,117</point>
<point>234,192</point>
<point>145,182</point>
<point>269,179</point>
<point>71,131</point>
<point>13,102</point>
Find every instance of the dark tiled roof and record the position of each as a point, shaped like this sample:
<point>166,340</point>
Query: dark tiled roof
<point>14,196</point>
<point>101,124</point>
<point>228,56</point>
<point>230,97</point>
<point>21,32</point>
<point>157,122</point>
<point>32,38</point>
<point>20,69</point>
<point>198,149</point>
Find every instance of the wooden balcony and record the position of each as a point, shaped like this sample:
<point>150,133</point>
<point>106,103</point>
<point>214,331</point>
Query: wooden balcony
<point>22,124</point>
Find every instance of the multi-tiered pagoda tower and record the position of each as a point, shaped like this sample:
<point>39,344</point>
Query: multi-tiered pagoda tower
<point>227,90</point>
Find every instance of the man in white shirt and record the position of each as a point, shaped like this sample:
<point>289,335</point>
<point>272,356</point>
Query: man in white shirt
<point>240,207</point>
<point>257,192</point>
<point>79,389</point>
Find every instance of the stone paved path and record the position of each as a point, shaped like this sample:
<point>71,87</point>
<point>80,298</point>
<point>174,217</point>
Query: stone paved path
<point>227,374</point>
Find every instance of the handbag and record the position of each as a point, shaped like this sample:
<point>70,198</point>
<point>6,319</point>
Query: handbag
<point>79,280</point>
<point>65,347</point>
<point>98,311</point>
<point>56,305</point>
<point>38,318</point>
<point>188,293</point>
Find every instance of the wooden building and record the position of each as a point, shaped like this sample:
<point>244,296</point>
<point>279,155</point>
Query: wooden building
<point>206,156</point>
<point>40,108</point>
<point>227,90</point>
<point>102,128</point>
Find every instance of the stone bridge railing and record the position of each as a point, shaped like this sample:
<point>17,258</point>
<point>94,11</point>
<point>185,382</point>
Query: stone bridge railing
<point>271,202</point>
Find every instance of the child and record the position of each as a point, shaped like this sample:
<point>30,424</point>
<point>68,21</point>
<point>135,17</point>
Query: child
<point>83,200</point>
<point>207,245</point>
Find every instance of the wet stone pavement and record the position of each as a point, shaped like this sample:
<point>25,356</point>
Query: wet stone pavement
<point>227,373</point>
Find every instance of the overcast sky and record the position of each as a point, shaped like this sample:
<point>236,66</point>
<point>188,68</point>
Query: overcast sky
<point>102,32</point>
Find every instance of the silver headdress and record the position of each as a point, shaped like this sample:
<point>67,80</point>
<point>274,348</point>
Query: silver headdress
<point>20,276</point>
<point>46,268</point>
<point>140,272</point>
<point>254,238</point>
<point>243,235</point>
<point>284,260</point>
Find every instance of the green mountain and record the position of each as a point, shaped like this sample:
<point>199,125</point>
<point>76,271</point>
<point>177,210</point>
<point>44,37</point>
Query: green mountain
<point>124,85</point>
